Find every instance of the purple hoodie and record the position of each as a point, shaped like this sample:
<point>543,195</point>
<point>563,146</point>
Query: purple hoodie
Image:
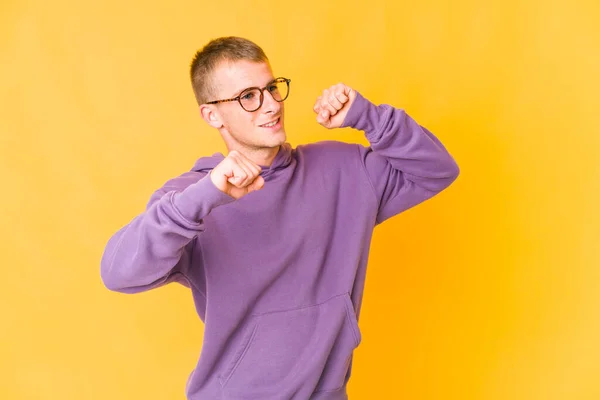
<point>277,277</point>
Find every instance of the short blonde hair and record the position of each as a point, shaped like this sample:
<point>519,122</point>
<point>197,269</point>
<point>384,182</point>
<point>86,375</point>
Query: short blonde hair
<point>230,48</point>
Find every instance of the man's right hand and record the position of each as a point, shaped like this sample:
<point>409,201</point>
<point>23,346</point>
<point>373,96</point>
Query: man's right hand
<point>237,176</point>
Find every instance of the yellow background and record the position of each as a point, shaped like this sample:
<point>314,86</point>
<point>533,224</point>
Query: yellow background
<point>490,291</point>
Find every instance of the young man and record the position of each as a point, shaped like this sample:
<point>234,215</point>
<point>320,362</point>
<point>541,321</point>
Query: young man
<point>272,240</point>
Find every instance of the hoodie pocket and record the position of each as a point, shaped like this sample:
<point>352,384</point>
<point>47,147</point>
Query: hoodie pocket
<point>292,352</point>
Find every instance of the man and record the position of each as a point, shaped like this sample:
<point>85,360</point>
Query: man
<point>273,241</point>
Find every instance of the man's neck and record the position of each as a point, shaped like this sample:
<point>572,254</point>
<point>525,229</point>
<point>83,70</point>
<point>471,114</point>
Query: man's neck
<point>262,157</point>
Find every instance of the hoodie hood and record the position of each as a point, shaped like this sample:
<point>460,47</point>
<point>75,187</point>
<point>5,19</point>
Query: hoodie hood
<point>283,159</point>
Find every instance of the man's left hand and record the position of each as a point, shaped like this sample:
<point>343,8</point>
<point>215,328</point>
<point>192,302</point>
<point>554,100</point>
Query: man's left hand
<point>333,105</point>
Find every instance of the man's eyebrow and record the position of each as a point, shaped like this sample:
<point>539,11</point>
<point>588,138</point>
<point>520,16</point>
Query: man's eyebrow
<point>239,92</point>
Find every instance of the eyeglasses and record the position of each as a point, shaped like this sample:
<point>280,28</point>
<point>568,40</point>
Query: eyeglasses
<point>251,99</point>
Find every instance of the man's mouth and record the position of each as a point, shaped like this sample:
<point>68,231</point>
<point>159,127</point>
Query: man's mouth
<point>270,124</point>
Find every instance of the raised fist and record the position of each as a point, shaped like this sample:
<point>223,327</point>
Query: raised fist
<point>333,105</point>
<point>237,176</point>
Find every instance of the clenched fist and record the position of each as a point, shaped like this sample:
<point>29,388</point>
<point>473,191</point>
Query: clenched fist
<point>237,176</point>
<point>333,105</point>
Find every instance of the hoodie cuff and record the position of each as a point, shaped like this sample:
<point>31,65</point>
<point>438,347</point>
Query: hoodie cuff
<point>367,117</point>
<point>197,200</point>
<point>362,115</point>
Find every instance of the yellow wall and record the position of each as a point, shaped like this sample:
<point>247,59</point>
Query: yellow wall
<point>489,291</point>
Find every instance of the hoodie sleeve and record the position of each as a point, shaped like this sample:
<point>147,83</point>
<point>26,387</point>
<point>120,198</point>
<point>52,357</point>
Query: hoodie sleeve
<point>405,164</point>
<point>155,247</point>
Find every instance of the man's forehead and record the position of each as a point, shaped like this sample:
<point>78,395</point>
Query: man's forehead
<point>234,76</point>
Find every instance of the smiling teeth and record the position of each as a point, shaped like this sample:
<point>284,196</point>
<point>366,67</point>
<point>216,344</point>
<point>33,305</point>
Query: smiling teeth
<point>270,124</point>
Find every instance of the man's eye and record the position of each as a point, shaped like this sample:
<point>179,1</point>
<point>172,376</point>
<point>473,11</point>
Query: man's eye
<point>272,88</point>
<point>248,96</point>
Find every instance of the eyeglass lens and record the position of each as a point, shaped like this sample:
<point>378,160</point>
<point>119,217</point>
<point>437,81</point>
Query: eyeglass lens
<point>251,99</point>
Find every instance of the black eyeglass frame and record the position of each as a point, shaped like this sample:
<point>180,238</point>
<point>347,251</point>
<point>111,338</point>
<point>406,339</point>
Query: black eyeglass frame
<point>261,91</point>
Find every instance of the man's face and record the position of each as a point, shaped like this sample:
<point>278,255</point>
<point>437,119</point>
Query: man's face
<point>247,130</point>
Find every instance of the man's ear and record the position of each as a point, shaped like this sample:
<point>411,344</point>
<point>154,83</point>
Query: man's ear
<point>211,115</point>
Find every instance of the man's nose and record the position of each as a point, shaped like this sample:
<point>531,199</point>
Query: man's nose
<point>270,105</point>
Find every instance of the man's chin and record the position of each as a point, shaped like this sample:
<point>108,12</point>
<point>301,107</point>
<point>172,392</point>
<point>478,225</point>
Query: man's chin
<point>272,141</point>
<point>279,139</point>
